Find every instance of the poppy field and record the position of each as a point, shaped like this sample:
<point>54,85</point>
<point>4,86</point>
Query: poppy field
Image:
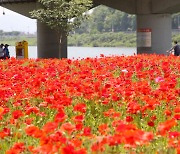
<point>100,105</point>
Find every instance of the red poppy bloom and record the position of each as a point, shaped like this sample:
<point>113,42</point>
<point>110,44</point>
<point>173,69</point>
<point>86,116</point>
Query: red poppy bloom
<point>79,126</point>
<point>151,123</point>
<point>97,147</point>
<point>30,110</point>
<point>68,149</point>
<point>78,118</point>
<point>68,127</point>
<point>166,126</point>
<point>29,121</point>
<point>17,148</point>
<point>76,142</point>
<point>49,127</point>
<point>1,110</point>
<point>60,117</point>
<point>34,131</point>
<point>174,134</point>
<point>16,114</point>
<point>129,118</point>
<point>87,131</point>
<point>103,129</point>
<point>177,116</point>
<point>81,107</point>
<point>168,112</point>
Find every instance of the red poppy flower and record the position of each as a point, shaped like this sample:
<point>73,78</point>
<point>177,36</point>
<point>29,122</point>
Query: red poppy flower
<point>151,123</point>
<point>76,142</point>
<point>177,116</point>
<point>16,114</point>
<point>174,134</point>
<point>168,112</point>
<point>34,131</point>
<point>166,126</point>
<point>79,126</point>
<point>28,121</point>
<point>97,147</point>
<point>68,127</point>
<point>49,127</point>
<point>17,148</point>
<point>129,118</point>
<point>177,109</point>
<point>78,119</point>
<point>81,107</point>
<point>30,110</point>
<point>68,149</point>
<point>87,131</point>
<point>1,110</point>
<point>60,117</point>
<point>103,129</point>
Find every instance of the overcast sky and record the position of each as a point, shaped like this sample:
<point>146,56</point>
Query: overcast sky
<point>12,21</point>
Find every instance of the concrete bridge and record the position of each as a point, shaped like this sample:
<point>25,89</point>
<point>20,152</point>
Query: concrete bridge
<point>153,24</point>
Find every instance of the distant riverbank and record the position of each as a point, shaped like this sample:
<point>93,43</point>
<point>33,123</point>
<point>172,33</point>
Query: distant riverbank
<point>110,39</point>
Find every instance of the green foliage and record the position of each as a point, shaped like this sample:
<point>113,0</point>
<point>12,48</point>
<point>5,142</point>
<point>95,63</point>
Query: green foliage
<point>58,14</point>
<point>107,39</point>
<point>106,19</point>
<point>32,41</point>
<point>176,37</point>
<point>176,21</point>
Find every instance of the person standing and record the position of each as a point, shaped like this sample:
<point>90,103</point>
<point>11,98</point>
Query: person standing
<point>175,49</point>
<point>6,51</point>
<point>1,51</point>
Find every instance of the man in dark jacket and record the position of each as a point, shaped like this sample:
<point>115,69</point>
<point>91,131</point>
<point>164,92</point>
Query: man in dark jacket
<point>1,51</point>
<point>175,49</point>
<point>6,51</point>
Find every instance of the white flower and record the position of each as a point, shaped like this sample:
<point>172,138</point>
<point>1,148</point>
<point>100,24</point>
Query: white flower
<point>124,70</point>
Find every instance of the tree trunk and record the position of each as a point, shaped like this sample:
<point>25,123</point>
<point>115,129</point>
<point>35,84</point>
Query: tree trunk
<point>62,44</point>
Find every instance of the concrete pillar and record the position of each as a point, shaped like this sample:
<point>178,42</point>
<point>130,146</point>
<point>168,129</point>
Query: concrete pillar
<point>48,43</point>
<point>153,33</point>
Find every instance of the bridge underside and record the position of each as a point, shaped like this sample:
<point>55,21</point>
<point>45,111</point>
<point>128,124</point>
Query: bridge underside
<point>153,24</point>
<point>15,1</point>
<point>22,7</point>
<point>128,6</point>
<point>142,6</point>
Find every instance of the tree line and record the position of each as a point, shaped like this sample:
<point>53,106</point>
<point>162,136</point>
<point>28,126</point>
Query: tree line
<point>106,19</point>
<point>12,33</point>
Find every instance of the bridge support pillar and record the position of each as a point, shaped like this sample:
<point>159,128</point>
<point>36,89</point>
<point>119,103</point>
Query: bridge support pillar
<point>153,33</point>
<point>48,43</point>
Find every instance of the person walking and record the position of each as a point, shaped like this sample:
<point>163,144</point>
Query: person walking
<point>175,49</point>
<point>1,51</point>
<point>6,51</point>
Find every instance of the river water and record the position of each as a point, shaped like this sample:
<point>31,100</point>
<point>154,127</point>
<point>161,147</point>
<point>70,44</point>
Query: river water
<point>83,52</point>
